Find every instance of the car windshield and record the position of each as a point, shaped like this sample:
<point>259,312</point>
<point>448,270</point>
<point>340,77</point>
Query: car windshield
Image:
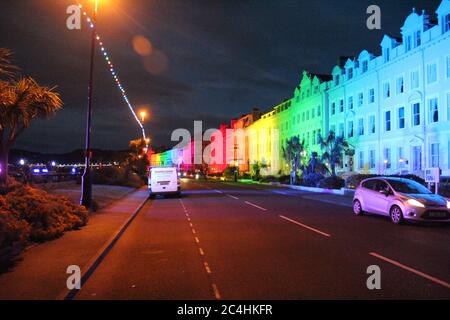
<point>411,187</point>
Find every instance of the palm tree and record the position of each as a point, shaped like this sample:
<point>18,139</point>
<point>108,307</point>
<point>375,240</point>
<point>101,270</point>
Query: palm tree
<point>7,68</point>
<point>21,102</point>
<point>293,153</point>
<point>334,147</point>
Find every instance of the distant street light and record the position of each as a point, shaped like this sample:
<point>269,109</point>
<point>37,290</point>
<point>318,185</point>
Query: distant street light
<point>22,162</point>
<point>86,189</point>
<point>143,115</point>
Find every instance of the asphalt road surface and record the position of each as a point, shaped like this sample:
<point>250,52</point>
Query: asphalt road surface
<point>236,241</point>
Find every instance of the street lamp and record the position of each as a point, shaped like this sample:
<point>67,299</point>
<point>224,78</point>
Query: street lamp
<point>86,187</point>
<point>143,115</point>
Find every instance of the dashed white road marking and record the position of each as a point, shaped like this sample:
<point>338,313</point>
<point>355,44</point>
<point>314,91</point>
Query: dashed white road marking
<point>202,253</point>
<point>197,239</point>
<point>416,272</point>
<point>207,268</point>
<point>305,226</point>
<point>193,231</point>
<point>256,206</point>
<point>229,195</point>
<point>216,291</point>
<point>280,192</point>
<point>218,191</point>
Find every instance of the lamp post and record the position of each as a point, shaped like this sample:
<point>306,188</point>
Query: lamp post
<point>86,189</point>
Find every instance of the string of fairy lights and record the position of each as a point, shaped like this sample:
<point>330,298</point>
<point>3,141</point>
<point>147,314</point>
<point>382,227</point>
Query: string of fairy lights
<point>114,73</point>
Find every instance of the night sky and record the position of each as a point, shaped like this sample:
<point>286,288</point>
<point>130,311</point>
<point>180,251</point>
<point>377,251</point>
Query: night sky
<point>211,60</point>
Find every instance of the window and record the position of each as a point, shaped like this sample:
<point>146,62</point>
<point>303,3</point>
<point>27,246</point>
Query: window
<point>400,85</point>
<point>341,105</point>
<point>350,73</point>
<point>386,90</point>
<point>307,115</point>
<point>361,127</point>
<point>333,108</point>
<point>417,38</point>
<point>372,159</point>
<point>313,137</point>
<point>360,99</point>
<point>401,118</point>
<point>447,23</point>
<point>336,80</point>
<point>371,95</point>
<point>341,129</point>
<point>448,108</point>
<point>303,117</point>
<point>431,73</point>
<point>365,66</point>
<point>350,103</point>
<point>318,111</point>
<point>361,160</point>
<point>408,43</point>
<point>434,110</point>
<point>333,128</point>
<point>416,114</point>
<point>372,124</point>
<point>319,135</point>
<point>387,121</point>
<point>387,158</point>
<point>414,80</point>
<point>350,129</point>
<point>448,67</point>
<point>313,113</point>
<point>387,54</point>
<point>434,155</point>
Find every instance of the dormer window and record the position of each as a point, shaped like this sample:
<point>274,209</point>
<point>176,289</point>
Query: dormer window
<point>408,43</point>
<point>365,66</point>
<point>350,73</point>
<point>387,54</point>
<point>417,38</point>
<point>336,80</point>
<point>447,23</point>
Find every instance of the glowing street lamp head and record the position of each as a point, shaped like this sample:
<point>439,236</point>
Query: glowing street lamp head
<point>143,115</point>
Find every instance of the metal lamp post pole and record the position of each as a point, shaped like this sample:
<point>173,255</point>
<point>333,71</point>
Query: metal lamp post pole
<point>86,189</point>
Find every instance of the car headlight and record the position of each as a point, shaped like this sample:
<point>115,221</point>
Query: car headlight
<point>448,204</point>
<point>416,203</point>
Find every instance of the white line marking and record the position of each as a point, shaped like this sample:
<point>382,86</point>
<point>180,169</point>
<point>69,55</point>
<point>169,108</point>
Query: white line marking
<point>193,231</point>
<point>202,253</point>
<point>417,272</point>
<point>229,195</point>
<point>216,291</point>
<point>218,191</point>
<point>191,225</point>
<point>280,192</point>
<point>207,268</point>
<point>256,206</point>
<point>305,226</point>
<point>197,240</point>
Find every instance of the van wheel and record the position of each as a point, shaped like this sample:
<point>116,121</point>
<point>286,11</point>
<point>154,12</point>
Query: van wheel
<point>396,215</point>
<point>178,195</point>
<point>357,208</point>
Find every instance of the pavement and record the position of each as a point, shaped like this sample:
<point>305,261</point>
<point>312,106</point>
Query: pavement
<point>238,241</point>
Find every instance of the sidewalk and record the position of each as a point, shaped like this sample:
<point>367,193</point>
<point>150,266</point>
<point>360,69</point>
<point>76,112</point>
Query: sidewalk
<point>41,273</point>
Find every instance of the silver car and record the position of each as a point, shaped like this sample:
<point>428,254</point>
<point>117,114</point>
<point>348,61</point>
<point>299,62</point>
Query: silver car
<point>400,199</point>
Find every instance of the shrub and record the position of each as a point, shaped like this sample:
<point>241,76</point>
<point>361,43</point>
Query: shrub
<point>268,179</point>
<point>286,179</point>
<point>312,179</point>
<point>331,183</point>
<point>48,216</point>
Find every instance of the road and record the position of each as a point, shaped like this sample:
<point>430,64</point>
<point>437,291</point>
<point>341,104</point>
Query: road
<point>239,241</point>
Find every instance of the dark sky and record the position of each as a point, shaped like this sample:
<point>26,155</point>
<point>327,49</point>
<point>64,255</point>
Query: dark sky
<point>216,59</point>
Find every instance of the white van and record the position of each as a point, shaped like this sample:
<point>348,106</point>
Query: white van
<point>163,180</point>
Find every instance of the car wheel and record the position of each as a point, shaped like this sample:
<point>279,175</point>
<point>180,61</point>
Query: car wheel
<point>357,208</point>
<point>396,215</point>
<point>151,196</point>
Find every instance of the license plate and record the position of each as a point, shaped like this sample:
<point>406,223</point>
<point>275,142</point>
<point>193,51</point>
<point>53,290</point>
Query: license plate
<point>437,214</point>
